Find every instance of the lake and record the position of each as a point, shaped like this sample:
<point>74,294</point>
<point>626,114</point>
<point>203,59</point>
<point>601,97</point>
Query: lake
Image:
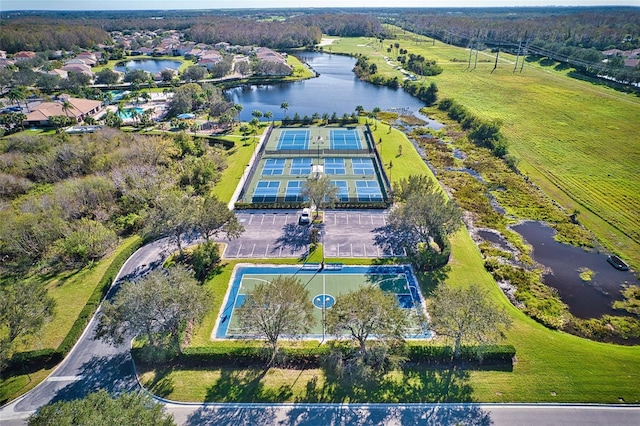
<point>153,66</point>
<point>336,89</point>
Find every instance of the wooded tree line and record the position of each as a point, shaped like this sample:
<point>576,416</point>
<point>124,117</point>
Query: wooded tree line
<point>599,28</point>
<point>39,35</point>
<point>247,32</point>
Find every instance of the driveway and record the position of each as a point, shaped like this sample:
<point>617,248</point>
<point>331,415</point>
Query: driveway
<point>277,233</point>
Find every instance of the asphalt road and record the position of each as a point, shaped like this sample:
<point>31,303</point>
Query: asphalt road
<point>93,365</point>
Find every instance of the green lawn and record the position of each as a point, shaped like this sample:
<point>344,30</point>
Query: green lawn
<point>71,291</point>
<point>551,366</point>
<point>576,140</point>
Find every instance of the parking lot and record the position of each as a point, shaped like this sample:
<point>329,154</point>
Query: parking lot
<point>277,233</point>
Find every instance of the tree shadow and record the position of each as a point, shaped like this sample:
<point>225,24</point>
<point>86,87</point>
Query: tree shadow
<point>114,374</point>
<point>415,383</point>
<point>419,394</point>
<point>233,415</point>
<point>429,280</point>
<point>162,384</point>
<point>294,237</point>
<point>245,386</point>
<point>393,240</point>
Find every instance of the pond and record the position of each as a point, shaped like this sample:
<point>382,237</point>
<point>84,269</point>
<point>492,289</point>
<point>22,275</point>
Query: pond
<point>153,66</point>
<point>585,298</point>
<point>336,89</point>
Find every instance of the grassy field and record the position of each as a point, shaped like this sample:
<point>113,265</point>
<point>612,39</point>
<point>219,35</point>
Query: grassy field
<point>70,290</point>
<point>576,140</point>
<point>551,366</point>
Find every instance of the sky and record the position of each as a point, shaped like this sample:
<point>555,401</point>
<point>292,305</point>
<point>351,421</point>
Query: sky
<point>6,5</point>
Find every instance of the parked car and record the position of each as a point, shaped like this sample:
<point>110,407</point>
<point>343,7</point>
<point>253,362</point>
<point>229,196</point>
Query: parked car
<point>305,217</point>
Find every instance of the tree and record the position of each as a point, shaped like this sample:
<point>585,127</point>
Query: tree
<point>204,258</point>
<point>60,121</point>
<point>48,82</point>
<point>466,316</point>
<point>320,191</point>
<point>366,313</point>
<point>194,73</point>
<point>136,77</point>
<point>107,76</point>
<point>423,213</point>
<point>159,307</point>
<point>285,107</point>
<point>99,408</point>
<point>183,99</point>
<point>213,218</point>
<point>278,308</point>
<point>268,115</point>
<point>172,216</point>
<point>24,308</point>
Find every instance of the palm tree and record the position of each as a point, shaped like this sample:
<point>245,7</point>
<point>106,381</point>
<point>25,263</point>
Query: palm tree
<point>268,115</point>
<point>120,110</point>
<point>284,106</point>
<point>255,123</point>
<point>66,107</point>
<point>135,114</point>
<point>16,95</point>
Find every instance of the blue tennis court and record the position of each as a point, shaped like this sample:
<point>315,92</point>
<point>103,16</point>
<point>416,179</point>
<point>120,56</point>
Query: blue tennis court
<point>345,139</point>
<point>334,166</point>
<point>294,189</point>
<point>300,166</point>
<point>368,190</point>
<point>273,166</point>
<point>266,191</point>
<point>343,189</point>
<point>363,166</point>
<point>293,139</point>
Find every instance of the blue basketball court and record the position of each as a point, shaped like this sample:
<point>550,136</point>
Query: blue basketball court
<point>293,139</point>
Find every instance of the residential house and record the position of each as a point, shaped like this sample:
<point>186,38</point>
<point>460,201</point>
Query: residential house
<point>78,109</point>
<point>80,68</point>
<point>24,55</point>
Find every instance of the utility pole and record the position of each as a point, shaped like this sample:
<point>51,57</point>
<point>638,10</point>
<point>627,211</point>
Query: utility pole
<point>496,64</point>
<point>517,56</point>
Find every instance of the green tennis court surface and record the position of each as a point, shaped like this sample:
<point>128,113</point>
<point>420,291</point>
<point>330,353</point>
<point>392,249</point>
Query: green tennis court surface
<point>324,287</point>
<point>290,156</point>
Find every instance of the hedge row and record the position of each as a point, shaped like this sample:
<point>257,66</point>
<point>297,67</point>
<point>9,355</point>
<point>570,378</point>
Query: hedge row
<point>292,205</point>
<point>47,358</point>
<point>245,354</point>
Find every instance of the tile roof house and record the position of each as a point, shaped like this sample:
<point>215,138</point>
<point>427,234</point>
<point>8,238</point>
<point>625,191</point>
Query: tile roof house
<point>79,109</point>
<point>20,56</point>
<point>81,68</point>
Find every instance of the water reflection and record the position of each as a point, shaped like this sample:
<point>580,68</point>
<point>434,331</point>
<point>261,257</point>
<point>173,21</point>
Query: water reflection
<point>336,89</point>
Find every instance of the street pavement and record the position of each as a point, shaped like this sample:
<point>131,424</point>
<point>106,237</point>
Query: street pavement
<point>93,365</point>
